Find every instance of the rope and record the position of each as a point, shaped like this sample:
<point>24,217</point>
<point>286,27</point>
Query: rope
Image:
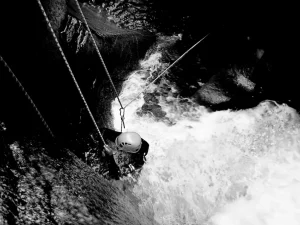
<point>28,97</point>
<point>69,68</point>
<point>166,70</point>
<point>122,109</point>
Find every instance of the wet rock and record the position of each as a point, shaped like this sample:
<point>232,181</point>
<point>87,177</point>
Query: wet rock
<point>75,34</point>
<point>108,35</point>
<point>226,86</point>
<point>150,98</point>
<point>154,109</point>
<point>212,94</point>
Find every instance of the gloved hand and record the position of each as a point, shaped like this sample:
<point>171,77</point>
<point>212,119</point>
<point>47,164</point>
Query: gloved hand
<point>108,150</point>
<point>131,167</point>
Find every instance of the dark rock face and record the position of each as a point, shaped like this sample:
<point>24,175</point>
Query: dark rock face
<point>39,66</point>
<point>154,109</point>
<point>39,187</point>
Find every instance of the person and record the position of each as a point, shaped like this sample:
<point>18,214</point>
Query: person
<point>123,152</point>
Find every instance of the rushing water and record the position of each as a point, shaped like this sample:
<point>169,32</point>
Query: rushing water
<point>219,168</point>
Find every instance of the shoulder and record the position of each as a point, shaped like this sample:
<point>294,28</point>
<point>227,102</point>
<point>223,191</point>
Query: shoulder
<point>145,143</point>
<point>145,146</point>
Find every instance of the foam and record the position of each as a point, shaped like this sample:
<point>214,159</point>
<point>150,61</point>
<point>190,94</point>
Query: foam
<point>227,167</point>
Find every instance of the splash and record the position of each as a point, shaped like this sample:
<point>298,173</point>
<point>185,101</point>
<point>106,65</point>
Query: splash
<point>221,168</point>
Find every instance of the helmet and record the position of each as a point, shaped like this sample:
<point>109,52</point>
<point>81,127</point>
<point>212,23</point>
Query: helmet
<point>129,142</point>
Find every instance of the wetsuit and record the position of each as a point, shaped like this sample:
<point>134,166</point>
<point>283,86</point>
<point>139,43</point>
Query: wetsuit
<point>121,158</point>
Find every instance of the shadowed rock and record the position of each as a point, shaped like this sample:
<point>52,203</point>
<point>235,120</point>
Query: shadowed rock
<point>42,188</point>
<point>124,41</point>
<point>97,20</point>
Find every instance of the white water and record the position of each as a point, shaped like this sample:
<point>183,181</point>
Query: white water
<point>220,168</point>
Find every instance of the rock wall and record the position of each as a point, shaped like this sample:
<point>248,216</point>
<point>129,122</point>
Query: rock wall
<point>45,184</point>
<point>42,180</point>
<point>34,58</point>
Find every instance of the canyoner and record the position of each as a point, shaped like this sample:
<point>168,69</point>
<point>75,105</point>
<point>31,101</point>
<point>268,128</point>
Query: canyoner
<point>124,154</point>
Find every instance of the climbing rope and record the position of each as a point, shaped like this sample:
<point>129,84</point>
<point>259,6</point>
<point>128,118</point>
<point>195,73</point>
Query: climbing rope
<point>69,68</point>
<point>163,73</point>
<point>27,95</point>
<point>122,109</point>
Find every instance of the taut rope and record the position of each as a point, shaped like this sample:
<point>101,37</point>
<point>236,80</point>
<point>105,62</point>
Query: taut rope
<point>70,70</point>
<point>28,97</point>
<point>163,73</point>
<point>122,109</point>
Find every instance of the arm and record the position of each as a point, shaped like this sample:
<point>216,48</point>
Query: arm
<point>108,150</point>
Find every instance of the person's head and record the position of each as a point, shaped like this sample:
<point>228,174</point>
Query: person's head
<point>129,142</point>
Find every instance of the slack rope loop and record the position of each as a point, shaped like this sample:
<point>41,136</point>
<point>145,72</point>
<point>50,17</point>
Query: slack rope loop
<point>163,73</point>
<point>122,115</point>
<point>28,97</point>
<point>70,70</point>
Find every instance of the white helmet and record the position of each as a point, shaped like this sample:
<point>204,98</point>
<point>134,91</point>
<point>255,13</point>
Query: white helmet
<point>129,142</point>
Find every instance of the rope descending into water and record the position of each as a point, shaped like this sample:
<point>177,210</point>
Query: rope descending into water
<point>28,97</point>
<point>163,73</point>
<point>70,70</point>
<point>122,109</point>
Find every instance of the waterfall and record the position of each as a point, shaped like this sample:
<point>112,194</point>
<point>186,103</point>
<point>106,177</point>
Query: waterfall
<point>217,168</point>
